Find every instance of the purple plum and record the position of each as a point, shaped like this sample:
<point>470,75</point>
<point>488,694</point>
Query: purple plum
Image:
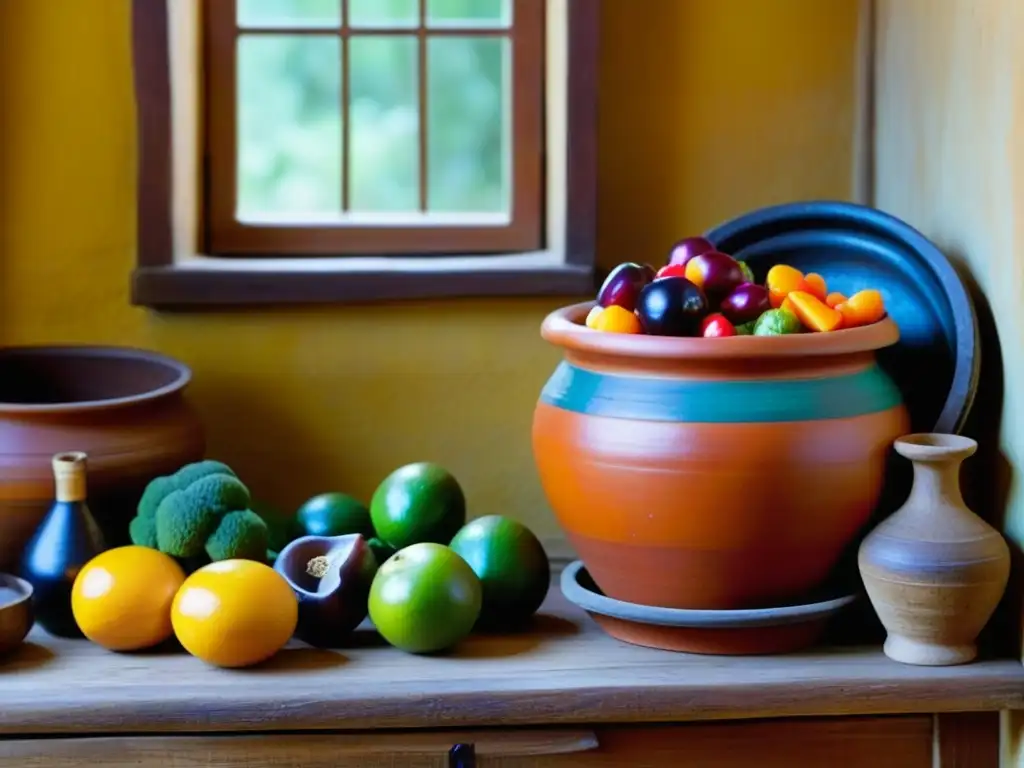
<point>715,273</point>
<point>689,247</point>
<point>672,306</point>
<point>623,285</point>
<point>745,304</point>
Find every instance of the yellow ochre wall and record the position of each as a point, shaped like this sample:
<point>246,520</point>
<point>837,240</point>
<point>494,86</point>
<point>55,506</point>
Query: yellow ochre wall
<point>708,108</point>
<point>950,160</point>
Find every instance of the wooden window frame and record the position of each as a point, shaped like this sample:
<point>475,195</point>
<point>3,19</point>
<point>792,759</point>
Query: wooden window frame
<point>403,233</point>
<point>172,272</point>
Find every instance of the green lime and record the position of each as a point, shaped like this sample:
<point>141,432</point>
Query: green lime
<point>282,528</point>
<point>380,550</point>
<point>417,503</point>
<point>334,514</point>
<point>777,322</point>
<point>425,599</point>
<point>512,567</point>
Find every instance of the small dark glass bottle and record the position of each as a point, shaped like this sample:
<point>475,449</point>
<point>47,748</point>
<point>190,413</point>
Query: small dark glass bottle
<point>66,540</point>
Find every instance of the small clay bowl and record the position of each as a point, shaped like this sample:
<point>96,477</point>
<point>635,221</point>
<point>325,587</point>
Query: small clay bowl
<point>758,631</point>
<point>16,615</point>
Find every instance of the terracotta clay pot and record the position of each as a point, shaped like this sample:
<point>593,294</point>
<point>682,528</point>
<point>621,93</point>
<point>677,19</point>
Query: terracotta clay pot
<point>714,473</point>
<point>934,570</point>
<point>123,407</point>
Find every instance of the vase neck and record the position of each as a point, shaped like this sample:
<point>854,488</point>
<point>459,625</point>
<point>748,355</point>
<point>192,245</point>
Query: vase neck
<point>69,476</point>
<point>936,482</point>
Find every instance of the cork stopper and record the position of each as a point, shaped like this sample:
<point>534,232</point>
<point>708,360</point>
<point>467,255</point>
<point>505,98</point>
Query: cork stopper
<point>69,474</point>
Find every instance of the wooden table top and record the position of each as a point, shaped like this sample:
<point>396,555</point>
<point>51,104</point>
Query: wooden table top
<point>564,671</point>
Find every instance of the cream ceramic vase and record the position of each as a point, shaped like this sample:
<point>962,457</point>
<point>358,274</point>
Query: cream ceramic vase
<point>934,570</point>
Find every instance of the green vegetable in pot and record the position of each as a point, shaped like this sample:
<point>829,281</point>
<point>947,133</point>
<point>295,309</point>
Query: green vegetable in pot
<point>746,329</point>
<point>748,273</point>
<point>777,322</point>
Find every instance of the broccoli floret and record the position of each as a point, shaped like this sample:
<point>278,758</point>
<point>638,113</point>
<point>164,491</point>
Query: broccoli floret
<point>192,472</point>
<point>182,526</point>
<point>240,534</point>
<point>142,531</point>
<point>160,487</point>
<point>224,492</point>
<point>185,518</point>
<point>155,492</point>
<point>202,510</point>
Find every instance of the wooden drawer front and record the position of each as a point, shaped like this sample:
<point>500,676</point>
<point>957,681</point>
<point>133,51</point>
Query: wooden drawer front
<point>876,742</point>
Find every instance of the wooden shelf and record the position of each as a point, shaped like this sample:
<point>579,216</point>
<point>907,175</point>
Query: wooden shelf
<point>565,671</point>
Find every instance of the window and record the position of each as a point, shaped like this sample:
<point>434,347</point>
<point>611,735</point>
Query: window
<point>374,126</point>
<point>353,150</point>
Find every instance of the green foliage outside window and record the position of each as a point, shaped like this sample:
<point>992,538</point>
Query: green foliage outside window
<point>289,110</point>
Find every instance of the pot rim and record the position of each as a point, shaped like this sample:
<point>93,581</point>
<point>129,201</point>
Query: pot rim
<point>564,328</point>
<point>182,375</point>
<point>16,584</point>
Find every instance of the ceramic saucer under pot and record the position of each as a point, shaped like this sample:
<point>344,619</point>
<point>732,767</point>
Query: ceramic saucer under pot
<point>755,631</point>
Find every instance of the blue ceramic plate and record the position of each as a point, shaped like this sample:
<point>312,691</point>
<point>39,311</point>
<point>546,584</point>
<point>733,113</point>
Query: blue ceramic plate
<point>937,360</point>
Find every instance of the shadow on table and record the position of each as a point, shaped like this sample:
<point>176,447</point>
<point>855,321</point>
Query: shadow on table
<point>301,660</point>
<point>26,656</point>
<point>542,630</point>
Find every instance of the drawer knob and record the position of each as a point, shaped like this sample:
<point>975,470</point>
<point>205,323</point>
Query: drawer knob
<point>462,756</point>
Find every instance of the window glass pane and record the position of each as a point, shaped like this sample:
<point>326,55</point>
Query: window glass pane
<point>468,108</point>
<point>384,124</point>
<point>469,13</point>
<point>289,125</point>
<point>384,13</point>
<point>288,13</point>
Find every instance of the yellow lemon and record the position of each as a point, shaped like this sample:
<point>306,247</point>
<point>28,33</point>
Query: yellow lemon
<point>121,599</point>
<point>234,613</point>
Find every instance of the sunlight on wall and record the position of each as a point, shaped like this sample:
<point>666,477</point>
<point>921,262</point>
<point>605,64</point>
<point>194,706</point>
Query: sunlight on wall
<point>707,109</point>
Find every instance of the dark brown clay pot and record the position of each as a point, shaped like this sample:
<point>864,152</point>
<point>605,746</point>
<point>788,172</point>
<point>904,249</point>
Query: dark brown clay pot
<point>123,407</point>
<point>714,473</point>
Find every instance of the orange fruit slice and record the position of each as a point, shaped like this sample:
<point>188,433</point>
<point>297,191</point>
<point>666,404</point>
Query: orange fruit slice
<point>234,613</point>
<point>121,599</point>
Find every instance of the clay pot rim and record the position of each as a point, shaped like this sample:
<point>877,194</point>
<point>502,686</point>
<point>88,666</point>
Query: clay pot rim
<point>565,328</point>
<point>17,584</point>
<point>183,376</point>
<point>16,616</point>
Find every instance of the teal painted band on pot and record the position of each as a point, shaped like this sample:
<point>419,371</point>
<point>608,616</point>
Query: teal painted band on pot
<point>720,402</point>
